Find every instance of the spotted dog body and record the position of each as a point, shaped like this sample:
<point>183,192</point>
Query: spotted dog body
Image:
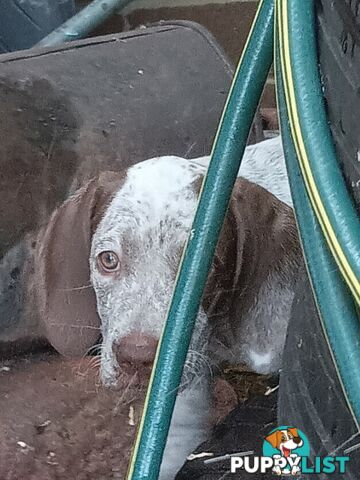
<point>108,258</point>
<point>146,225</point>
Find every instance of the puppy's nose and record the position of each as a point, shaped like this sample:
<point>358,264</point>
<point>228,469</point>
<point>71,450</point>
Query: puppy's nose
<point>136,348</point>
<point>297,440</point>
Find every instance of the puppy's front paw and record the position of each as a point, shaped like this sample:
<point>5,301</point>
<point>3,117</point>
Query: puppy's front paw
<point>295,470</point>
<point>276,469</point>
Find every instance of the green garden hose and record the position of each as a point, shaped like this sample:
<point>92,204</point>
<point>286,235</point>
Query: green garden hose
<point>84,22</point>
<point>327,213</point>
<point>335,304</point>
<point>226,156</point>
<point>320,169</point>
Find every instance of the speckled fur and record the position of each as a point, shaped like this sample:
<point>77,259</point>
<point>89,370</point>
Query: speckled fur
<point>147,224</point>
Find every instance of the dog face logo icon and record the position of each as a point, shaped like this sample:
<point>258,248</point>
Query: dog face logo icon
<point>286,452</point>
<point>285,440</point>
<point>286,445</point>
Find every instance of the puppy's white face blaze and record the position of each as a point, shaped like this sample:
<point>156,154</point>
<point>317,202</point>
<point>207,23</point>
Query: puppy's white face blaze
<point>287,441</point>
<point>146,226</point>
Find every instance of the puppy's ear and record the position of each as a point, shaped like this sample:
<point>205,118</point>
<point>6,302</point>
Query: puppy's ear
<point>66,299</point>
<point>274,439</point>
<point>258,237</point>
<point>294,432</point>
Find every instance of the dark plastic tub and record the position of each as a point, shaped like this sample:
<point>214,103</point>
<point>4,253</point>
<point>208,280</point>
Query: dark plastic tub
<point>23,23</point>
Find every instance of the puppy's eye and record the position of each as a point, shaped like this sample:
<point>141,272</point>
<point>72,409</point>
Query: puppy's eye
<point>108,261</point>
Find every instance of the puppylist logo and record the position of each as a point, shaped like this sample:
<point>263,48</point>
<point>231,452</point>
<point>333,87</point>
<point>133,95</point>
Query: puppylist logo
<point>286,452</point>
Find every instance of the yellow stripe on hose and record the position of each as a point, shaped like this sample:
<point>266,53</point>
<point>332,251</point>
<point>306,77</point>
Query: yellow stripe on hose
<point>277,73</point>
<point>316,201</point>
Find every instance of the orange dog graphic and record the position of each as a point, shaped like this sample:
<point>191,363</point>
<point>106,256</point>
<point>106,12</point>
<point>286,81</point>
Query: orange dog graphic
<point>285,441</point>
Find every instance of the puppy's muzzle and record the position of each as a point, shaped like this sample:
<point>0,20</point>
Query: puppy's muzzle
<point>136,349</point>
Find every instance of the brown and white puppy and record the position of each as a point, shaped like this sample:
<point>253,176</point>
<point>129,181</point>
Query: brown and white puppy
<point>108,259</point>
<point>107,262</point>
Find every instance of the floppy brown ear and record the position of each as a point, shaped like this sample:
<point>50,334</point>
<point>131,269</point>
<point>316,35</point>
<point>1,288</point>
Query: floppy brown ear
<point>258,237</point>
<point>294,432</point>
<point>66,298</point>
<point>274,439</point>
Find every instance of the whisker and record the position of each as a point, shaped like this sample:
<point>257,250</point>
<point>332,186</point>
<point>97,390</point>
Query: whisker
<point>91,365</point>
<point>72,289</point>
<point>95,366</point>
<point>181,386</point>
<point>202,359</point>
<point>126,390</point>
<point>98,347</point>
<point>95,361</point>
<point>80,327</point>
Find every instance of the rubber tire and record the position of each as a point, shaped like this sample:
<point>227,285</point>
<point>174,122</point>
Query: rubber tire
<point>339,54</point>
<point>23,23</point>
<point>310,395</point>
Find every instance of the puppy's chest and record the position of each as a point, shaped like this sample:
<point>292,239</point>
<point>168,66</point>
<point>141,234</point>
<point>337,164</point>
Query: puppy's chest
<point>255,338</point>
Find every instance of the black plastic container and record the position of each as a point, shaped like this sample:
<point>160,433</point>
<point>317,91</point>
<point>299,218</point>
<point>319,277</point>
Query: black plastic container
<point>23,23</point>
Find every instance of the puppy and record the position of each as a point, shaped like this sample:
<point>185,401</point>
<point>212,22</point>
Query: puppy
<point>107,261</point>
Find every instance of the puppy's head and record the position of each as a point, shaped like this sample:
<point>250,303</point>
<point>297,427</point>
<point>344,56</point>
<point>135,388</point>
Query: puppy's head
<point>109,256</point>
<point>108,261</point>
<point>135,253</point>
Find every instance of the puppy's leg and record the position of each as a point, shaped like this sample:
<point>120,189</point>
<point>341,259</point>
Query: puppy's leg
<point>188,428</point>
